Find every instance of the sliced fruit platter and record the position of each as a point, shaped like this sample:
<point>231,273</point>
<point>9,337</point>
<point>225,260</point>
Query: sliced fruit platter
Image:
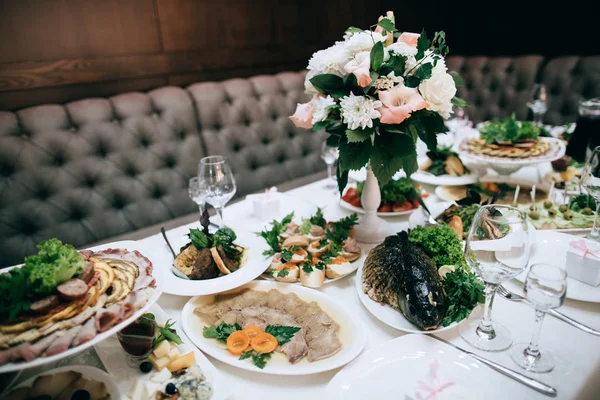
<point>398,197</point>
<point>62,300</point>
<point>432,292</point>
<point>312,252</point>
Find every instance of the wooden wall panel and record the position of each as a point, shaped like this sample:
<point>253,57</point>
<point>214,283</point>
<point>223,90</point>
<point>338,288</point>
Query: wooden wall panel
<point>32,30</point>
<point>57,50</point>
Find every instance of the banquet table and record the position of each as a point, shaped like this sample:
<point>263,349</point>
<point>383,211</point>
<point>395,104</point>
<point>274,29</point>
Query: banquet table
<point>577,353</point>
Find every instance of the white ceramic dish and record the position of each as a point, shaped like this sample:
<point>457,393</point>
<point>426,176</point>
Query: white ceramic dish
<point>126,244</point>
<point>360,210</point>
<point>352,333</point>
<point>114,359</point>
<point>388,315</point>
<point>476,172</point>
<point>551,247</point>
<point>354,264</point>
<point>88,372</point>
<point>412,365</point>
<point>174,283</point>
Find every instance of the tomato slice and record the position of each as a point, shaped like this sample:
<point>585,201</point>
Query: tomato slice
<point>404,206</point>
<point>385,208</point>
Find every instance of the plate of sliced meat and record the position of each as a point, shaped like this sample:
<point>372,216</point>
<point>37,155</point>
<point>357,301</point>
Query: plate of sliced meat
<point>274,328</point>
<point>62,301</point>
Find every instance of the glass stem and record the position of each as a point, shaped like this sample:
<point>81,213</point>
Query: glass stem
<point>329,171</point>
<point>219,211</point>
<point>595,233</point>
<point>485,328</point>
<point>533,350</point>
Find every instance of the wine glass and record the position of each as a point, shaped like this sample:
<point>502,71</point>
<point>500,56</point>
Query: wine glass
<point>195,194</point>
<point>590,180</point>
<point>329,154</point>
<point>497,248</point>
<point>545,288</point>
<point>538,104</point>
<point>216,183</point>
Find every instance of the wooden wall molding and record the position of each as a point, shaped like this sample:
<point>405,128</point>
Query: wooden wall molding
<point>32,75</point>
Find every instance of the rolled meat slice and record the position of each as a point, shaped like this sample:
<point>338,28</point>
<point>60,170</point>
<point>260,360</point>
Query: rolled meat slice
<point>72,289</point>
<point>64,342</point>
<point>108,317</point>
<point>45,304</point>
<point>88,332</point>
<point>88,272</point>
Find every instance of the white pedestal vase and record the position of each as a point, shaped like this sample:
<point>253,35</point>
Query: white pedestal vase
<point>371,228</point>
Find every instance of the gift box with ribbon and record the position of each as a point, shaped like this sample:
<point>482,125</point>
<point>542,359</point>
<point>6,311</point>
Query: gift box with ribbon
<point>583,261</point>
<point>265,205</point>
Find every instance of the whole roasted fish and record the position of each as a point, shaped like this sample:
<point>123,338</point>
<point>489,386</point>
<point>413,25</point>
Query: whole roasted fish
<point>399,274</point>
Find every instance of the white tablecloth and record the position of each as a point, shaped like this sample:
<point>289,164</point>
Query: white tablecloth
<point>577,353</point>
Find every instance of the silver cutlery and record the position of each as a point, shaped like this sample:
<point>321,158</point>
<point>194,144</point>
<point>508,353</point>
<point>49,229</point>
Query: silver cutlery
<point>430,219</point>
<point>162,230</point>
<point>502,291</point>
<point>517,376</point>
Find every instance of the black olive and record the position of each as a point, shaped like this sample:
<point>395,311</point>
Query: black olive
<point>81,395</point>
<point>146,367</point>
<point>171,389</point>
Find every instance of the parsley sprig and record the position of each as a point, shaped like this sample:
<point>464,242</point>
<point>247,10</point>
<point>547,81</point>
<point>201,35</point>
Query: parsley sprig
<point>165,332</point>
<point>464,291</point>
<point>272,236</point>
<point>220,332</point>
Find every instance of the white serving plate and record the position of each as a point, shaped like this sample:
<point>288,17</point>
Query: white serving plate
<point>476,172</point>
<point>361,210</point>
<point>352,333</point>
<point>173,282</point>
<point>391,317</point>
<point>88,372</point>
<point>125,244</point>
<point>115,361</point>
<point>550,247</point>
<point>408,365</point>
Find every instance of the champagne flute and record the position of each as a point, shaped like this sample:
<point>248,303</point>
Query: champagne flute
<point>216,183</point>
<point>590,180</point>
<point>497,248</point>
<point>329,154</point>
<point>538,103</point>
<point>545,288</point>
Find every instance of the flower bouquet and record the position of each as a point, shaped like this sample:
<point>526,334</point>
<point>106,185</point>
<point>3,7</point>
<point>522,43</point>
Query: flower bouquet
<point>375,93</point>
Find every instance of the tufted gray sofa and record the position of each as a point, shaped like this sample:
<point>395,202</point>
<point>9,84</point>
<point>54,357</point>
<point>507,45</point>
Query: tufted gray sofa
<point>98,170</point>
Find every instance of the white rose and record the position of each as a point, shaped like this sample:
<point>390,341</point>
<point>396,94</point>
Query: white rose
<point>308,86</point>
<point>362,41</point>
<point>438,91</point>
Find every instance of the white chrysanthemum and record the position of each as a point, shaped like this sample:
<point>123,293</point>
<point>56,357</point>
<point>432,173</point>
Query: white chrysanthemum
<point>438,91</point>
<point>322,106</point>
<point>362,41</point>
<point>359,111</point>
<point>402,49</point>
<point>387,82</point>
<point>330,60</point>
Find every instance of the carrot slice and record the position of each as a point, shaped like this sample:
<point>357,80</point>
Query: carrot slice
<point>238,342</point>
<point>252,331</point>
<point>264,343</point>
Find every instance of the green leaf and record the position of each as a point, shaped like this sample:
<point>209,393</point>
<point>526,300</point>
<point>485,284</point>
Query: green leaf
<point>199,239</point>
<point>259,359</point>
<point>424,71</point>
<point>342,178</point>
<point>354,29</point>
<point>283,334</point>
<point>387,25</point>
<point>329,84</point>
<point>317,126</point>
<point>458,82</point>
<point>398,64</point>
<point>351,85</point>
<point>333,140</point>
<point>221,332</point>
<point>377,56</point>
<point>412,81</point>
<point>354,155</point>
<point>458,102</point>
<point>358,135</point>
<point>389,153</point>
<point>423,44</point>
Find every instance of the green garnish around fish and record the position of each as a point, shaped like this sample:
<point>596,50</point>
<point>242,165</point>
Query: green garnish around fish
<point>440,243</point>
<point>464,291</point>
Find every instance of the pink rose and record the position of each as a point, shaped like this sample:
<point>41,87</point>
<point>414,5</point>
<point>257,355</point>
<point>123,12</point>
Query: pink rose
<point>398,103</point>
<point>303,116</point>
<point>359,66</point>
<point>409,38</point>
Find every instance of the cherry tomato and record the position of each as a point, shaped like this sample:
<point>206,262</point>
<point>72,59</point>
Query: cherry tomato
<point>385,208</point>
<point>404,206</point>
